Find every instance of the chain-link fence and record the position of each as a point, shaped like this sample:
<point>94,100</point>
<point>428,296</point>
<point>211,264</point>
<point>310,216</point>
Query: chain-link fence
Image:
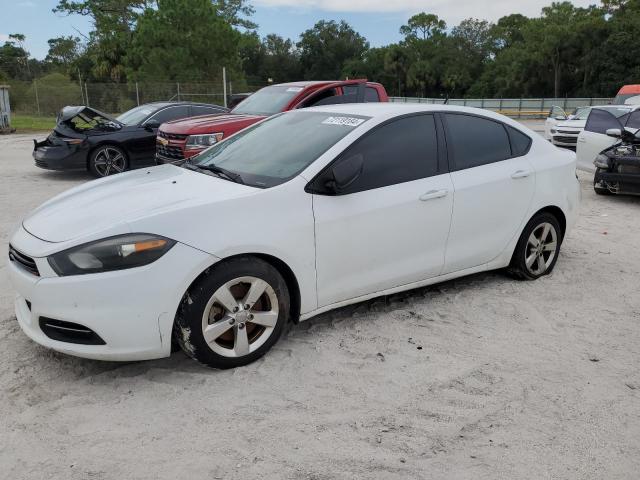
<point>48,97</point>
<point>513,107</point>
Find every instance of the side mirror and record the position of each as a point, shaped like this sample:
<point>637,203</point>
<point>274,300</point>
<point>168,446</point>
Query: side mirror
<point>152,124</point>
<point>344,173</point>
<point>614,132</point>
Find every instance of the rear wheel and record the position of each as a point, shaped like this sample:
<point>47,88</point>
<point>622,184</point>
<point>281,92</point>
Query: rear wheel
<point>107,160</point>
<point>538,247</point>
<point>234,315</point>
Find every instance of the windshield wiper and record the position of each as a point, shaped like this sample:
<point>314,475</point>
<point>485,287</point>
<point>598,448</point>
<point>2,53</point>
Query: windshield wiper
<point>219,171</point>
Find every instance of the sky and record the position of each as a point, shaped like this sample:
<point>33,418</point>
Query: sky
<point>378,20</point>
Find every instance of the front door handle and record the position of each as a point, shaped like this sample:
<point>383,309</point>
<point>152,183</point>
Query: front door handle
<point>432,194</point>
<point>520,174</point>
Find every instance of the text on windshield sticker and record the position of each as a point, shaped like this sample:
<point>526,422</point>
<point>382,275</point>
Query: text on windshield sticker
<point>345,121</point>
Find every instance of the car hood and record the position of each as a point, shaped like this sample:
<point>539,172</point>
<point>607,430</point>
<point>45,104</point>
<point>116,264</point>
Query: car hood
<point>579,124</point>
<point>209,123</point>
<point>111,205</point>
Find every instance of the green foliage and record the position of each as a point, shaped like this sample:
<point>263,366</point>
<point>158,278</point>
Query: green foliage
<point>326,48</point>
<point>182,40</point>
<point>567,50</point>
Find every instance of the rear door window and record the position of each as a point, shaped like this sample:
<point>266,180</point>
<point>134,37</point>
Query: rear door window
<point>600,121</point>
<point>204,110</point>
<point>371,95</point>
<point>476,141</point>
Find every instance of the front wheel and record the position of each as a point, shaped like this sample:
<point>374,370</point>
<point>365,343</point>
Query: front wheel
<point>538,247</point>
<point>107,160</point>
<point>233,315</point>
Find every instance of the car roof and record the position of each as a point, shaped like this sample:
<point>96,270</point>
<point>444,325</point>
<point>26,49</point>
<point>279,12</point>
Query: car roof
<point>390,109</point>
<point>159,105</point>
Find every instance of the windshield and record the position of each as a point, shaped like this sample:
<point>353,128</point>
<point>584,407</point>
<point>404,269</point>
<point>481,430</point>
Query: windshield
<point>136,115</point>
<point>268,101</point>
<point>627,99</point>
<point>276,150</point>
<point>581,113</point>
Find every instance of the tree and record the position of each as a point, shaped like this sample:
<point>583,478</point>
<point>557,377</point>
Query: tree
<point>14,58</point>
<point>164,50</point>
<point>423,26</point>
<point>326,48</point>
<point>236,12</point>
<point>114,22</point>
<point>63,52</point>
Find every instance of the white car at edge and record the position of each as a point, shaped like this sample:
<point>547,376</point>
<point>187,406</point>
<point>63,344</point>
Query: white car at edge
<point>593,139</point>
<point>301,213</point>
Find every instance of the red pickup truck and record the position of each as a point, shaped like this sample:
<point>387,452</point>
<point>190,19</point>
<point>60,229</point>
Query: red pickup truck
<point>185,138</point>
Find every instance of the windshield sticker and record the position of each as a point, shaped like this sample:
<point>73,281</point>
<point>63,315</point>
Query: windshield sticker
<point>295,89</point>
<point>345,121</point>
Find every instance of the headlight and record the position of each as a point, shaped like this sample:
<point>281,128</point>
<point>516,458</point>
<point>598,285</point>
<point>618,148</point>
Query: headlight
<point>553,131</point>
<point>114,253</point>
<point>203,141</point>
<point>601,161</point>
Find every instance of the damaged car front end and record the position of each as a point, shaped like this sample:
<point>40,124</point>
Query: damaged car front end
<point>67,146</point>
<point>618,167</point>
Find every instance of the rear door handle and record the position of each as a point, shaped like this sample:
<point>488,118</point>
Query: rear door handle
<point>433,194</point>
<point>520,174</point>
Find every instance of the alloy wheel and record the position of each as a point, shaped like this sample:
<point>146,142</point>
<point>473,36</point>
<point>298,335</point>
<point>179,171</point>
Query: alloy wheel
<point>109,161</point>
<point>240,317</point>
<point>541,248</point>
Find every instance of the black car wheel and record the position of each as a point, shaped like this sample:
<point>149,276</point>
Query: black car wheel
<point>537,250</point>
<point>234,314</point>
<point>107,160</point>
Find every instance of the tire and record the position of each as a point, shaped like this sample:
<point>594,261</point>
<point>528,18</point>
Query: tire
<point>530,260</point>
<point>107,160</point>
<point>214,325</point>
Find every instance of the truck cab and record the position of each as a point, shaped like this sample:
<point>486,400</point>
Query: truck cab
<point>179,140</point>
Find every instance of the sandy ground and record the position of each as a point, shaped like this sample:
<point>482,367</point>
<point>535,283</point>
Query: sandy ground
<point>479,378</point>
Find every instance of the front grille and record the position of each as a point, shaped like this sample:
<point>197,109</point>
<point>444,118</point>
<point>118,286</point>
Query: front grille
<point>629,169</point>
<point>69,332</point>
<point>41,164</point>
<point>172,136</point>
<point>172,152</point>
<point>568,132</point>
<point>565,139</point>
<point>24,261</point>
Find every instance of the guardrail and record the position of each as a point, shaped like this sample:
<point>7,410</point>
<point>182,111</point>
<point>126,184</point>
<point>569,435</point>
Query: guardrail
<point>512,107</point>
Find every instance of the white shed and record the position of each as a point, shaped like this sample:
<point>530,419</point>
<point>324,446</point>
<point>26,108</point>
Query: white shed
<point>5,109</point>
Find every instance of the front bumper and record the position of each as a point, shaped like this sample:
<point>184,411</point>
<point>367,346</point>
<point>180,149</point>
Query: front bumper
<point>616,182</point>
<point>60,157</point>
<point>131,310</point>
<point>567,140</point>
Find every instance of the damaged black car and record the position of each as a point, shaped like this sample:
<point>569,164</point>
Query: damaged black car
<point>87,139</point>
<point>618,167</point>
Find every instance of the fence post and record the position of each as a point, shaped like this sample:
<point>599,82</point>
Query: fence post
<point>564,104</point>
<point>86,93</point>
<point>224,85</point>
<point>137,95</point>
<point>178,85</point>
<point>35,87</point>
<point>542,105</point>
<point>520,108</point>
<point>500,105</point>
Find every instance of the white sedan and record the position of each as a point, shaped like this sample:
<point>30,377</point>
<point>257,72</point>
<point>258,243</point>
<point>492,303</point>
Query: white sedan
<point>302,213</point>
